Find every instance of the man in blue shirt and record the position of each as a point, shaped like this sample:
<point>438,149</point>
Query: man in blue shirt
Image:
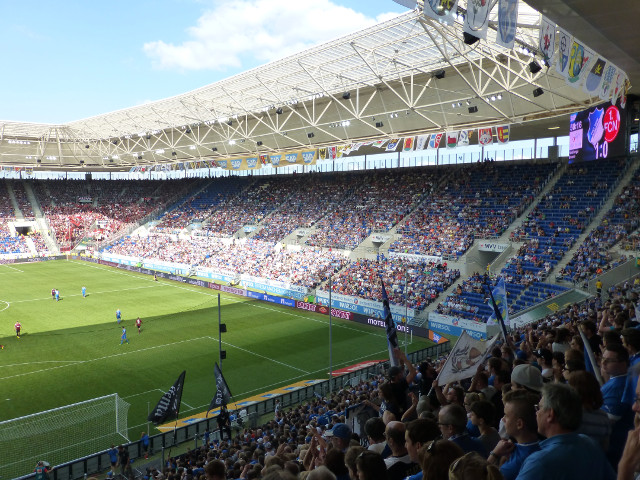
<point>520,424</point>
<point>452,420</point>
<point>84,291</point>
<point>118,316</point>
<point>564,455</point>
<point>615,363</point>
<point>113,458</point>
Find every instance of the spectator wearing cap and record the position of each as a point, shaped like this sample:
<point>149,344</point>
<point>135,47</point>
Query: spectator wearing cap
<point>520,425</point>
<point>399,461</point>
<point>615,362</point>
<point>340,436</point>
<point>526,377</point>
<point>452,420</point>
<point>564,455</point>
<point>545,360</point>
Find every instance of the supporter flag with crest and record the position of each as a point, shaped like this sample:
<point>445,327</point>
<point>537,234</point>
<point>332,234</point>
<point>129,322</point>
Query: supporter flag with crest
<point>392,333</point>
<point>463,139</point>
<point>565,40</point>
<point>485,136</point>
<point>434,141</point>
<point>392,145</point>
<point>547,38</point>
<point>168,408</point>
<point>594,76</point>
<point>408,144</point>
<point>465,357</point>
<point>452,139</point>
<point>507,22</point>
<point>502,133</point>
<point>223,394</point>
<point>421,142</point>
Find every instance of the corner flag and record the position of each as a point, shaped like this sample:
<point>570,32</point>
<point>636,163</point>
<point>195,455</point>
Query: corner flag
<point>168,407</point>
<point>223,394</point>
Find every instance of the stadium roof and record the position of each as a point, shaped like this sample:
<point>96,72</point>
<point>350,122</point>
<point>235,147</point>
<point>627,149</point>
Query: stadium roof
<point>381,82</point>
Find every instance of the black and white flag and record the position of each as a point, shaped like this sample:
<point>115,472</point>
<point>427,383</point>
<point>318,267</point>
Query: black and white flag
<point>223,394</point>
<point>168,407</point>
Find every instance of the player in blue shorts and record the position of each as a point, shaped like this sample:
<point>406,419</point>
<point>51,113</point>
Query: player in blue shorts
<point>84,291</point>
<point>118,316</point>
<point>57,295</point>
<point>123,338</point>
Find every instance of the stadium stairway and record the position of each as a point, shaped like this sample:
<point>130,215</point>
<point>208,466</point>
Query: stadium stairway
<point>596,222</point>
<point>12,197</point>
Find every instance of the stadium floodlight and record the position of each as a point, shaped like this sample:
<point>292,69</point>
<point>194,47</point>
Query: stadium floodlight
<point>53,434</point>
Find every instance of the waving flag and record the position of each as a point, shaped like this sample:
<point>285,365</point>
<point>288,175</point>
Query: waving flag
<point>168,407</point>
<point>500,313</point>
<point>392,333</point>
<point>223,394</point>
<point>464,358</point>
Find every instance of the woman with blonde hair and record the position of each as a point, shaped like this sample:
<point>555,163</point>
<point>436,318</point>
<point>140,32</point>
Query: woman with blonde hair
<point>473,467</point>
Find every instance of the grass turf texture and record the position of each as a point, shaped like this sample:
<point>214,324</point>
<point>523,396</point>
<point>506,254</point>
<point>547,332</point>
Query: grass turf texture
<point>70,351</point>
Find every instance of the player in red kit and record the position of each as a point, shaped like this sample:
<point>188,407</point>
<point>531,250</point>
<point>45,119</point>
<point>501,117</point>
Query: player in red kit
<point>17,326</point>
<point>139,324</point>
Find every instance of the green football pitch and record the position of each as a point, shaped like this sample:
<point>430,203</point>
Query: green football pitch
<point>70,351</point>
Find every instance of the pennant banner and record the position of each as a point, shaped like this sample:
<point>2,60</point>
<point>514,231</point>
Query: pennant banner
<point>507,21</point>
<point>594,76</point>
<point>464,358</point>
<point>434,141</point>
<point>223,394</point>
<point>579,58</point>
<point>421,142</point>
<point>392,145</point>
<point>452,139</point>
<point>606,85</point>
<point>564,52</point>
<point>547,38</point>
<point>477,18</point>
<point>463,139</point>
<point>485,136</point>
<point>408,144</point>
<point>502,133</point>
<point>168,407</point>
<point>441,10</point>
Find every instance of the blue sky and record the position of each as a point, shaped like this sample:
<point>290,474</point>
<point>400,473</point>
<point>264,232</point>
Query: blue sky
<point>69,60</point>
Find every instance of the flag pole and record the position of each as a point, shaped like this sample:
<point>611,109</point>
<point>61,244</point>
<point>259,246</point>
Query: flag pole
<point>330,338</point>
<point>406,307</point>
<point>219,333</point>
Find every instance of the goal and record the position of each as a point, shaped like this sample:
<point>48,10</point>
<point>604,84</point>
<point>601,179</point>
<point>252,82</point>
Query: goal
<point>62,434</point>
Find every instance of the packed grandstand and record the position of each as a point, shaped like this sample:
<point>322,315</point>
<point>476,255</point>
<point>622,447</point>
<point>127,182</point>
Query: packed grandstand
<point>566,224</point>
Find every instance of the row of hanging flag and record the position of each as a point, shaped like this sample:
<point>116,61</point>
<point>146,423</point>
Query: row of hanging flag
<point>579,65</point>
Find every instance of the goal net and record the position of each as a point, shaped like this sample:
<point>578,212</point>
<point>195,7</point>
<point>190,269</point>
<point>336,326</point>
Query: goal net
<point>63,434</point>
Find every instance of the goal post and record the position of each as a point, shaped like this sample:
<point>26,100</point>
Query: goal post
<point>62,434</point>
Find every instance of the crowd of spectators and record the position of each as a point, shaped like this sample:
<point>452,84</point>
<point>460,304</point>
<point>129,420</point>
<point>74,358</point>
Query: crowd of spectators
<point>594,257</point>
<point>531,410</point>
<point>476,202</point>
<point>408,283</point>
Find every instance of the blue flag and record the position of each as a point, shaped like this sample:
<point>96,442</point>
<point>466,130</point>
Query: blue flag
<point>500,313</point>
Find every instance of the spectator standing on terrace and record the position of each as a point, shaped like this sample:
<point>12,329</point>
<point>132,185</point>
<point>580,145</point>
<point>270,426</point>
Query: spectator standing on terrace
<point>418,434</point>
<point>113,458</point>
<point>520,425</point>
<point>224,422</point>
<point>615,361</point>
<point>452,420</point>
<point>564,455</point>
<point>399,462</point>
<point>400,382</point>
<point>630,462</point>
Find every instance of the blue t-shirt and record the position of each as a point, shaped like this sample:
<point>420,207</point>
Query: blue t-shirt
<point>511,467</point>
<point>569,456</point>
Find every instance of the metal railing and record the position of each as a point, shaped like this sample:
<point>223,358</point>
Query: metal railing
<point>163,442</point>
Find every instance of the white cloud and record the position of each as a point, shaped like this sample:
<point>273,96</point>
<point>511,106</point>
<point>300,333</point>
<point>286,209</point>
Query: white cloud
<point>238,34</point>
